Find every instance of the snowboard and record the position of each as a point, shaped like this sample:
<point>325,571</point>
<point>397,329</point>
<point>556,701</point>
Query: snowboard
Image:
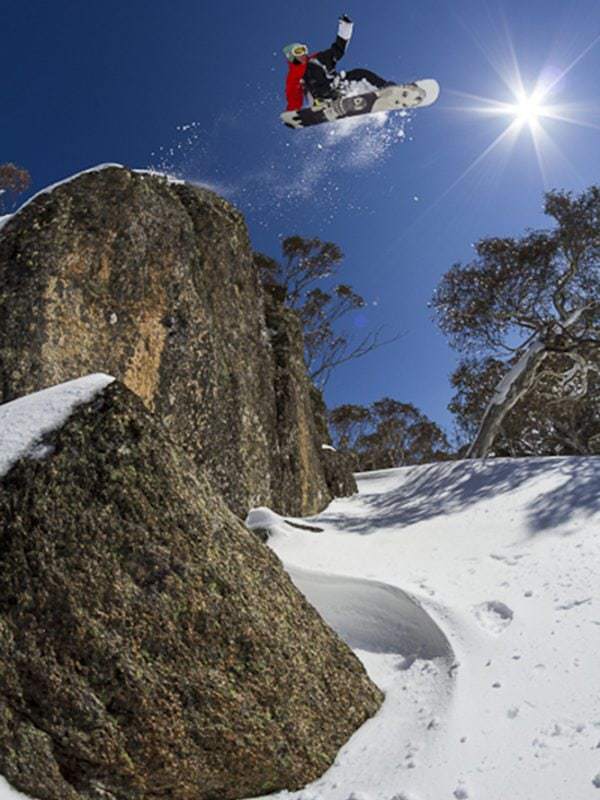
<point>391,98</point>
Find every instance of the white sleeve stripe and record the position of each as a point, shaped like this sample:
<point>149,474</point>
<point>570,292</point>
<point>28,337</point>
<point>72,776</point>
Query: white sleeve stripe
<point>345,29</point>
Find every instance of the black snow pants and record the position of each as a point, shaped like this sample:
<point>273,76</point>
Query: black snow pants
<point>365,75</point>
<point>323,82</point>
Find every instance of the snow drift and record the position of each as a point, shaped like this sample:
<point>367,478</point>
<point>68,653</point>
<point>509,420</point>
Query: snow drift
<point>502,557</point>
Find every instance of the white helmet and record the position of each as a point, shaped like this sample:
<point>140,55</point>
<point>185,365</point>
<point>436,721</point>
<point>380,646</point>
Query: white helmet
<point>295,50</point>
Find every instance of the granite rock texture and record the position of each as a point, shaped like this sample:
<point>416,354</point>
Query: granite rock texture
<point>150,646</point>
<point>154,282</point>
<point>338,468</point>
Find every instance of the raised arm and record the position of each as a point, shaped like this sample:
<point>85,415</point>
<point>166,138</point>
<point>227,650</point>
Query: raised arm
<point>344,34</point>
<point>345,27</point>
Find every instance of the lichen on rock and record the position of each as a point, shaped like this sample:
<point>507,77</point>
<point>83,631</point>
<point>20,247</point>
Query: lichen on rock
<point>155,283</point>
<point>149,644</point>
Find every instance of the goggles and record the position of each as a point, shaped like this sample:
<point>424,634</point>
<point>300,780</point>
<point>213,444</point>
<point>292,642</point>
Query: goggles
<point>295,51</point>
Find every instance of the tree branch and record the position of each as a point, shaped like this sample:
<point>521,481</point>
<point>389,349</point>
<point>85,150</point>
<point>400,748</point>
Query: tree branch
<point>337,356</point>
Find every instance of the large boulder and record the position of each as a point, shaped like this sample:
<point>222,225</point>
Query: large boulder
<point>149,644</point>
<point>154,282</point>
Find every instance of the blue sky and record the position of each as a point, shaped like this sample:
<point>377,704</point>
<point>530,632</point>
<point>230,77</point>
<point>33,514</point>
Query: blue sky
<point>196,88</point>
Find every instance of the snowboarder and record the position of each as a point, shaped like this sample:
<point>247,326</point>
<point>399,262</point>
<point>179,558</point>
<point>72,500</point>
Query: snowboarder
<point>315,75</point>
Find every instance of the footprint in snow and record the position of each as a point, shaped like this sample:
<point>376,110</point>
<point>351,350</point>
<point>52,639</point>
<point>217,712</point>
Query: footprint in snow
<point>573,604</point>
<point>461,793</point>
<point>494,616</point>
<point>510,561</point>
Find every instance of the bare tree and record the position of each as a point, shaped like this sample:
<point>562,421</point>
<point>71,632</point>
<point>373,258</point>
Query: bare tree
<point>13,181</point>
<point>527,299</point>
<point>304,263</point>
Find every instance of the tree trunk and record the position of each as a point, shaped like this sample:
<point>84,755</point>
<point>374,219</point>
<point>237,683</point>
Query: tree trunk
<point>509,391</point>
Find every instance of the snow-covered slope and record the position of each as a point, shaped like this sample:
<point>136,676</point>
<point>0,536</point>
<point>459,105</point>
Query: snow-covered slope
<point>503,557</point>
<point>469,591</point>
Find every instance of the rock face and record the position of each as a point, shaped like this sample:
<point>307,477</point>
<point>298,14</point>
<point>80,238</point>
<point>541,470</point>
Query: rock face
<point>154,283</point>
<point>150,646</point>
<point>338,468</point>
<point>298,455</point>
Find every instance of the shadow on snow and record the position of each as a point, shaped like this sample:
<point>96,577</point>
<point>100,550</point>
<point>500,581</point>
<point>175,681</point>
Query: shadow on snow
<point>441,489</point>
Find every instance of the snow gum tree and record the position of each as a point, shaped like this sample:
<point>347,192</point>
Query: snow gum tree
<point>524,300</point>
<point>544,421</point>
<point>306,263</point>
<point>387,434</point>
<point>348,422</point>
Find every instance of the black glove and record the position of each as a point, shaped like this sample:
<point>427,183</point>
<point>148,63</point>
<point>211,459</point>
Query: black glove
<point>345,18</point>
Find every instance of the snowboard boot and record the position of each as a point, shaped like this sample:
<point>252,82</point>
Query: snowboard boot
<point>321,103</point>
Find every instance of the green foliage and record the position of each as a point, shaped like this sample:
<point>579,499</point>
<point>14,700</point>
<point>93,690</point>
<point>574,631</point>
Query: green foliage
<point>348,422</point>
<point>304,261</point>
<point>519,286</point>
<point>546,421</point>
<point>474,381</point>
<point>387,434</point>
<point>541,289</point>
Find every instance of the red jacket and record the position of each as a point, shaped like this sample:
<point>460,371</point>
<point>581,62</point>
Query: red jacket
<point>294,90</point>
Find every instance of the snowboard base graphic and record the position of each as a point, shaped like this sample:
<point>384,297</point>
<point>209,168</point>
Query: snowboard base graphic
<point>397,97</point>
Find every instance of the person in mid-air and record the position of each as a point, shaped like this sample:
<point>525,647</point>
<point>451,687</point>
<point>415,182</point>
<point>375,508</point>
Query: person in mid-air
<point>314,75</point>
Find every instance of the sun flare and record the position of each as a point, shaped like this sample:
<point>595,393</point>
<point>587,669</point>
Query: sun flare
<point>525,108</point>
<point>528,109</point>
<point>536,109</point>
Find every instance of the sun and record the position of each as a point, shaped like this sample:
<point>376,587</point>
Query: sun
<point>535,107</point>
<point>528,109</point>
<point>525,109</point>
